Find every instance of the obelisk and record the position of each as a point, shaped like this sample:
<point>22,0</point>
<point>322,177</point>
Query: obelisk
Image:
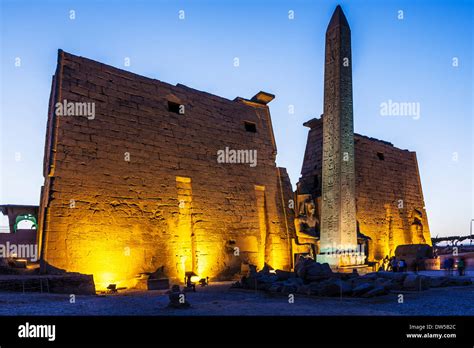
<point>338,208</point>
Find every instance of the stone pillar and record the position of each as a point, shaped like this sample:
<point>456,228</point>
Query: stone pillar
<point>262,221</point>
<point>338,210</point>
<point>185,241</point>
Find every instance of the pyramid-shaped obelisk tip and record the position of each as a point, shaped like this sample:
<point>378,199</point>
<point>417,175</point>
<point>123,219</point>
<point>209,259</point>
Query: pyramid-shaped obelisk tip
<point>338,18</point>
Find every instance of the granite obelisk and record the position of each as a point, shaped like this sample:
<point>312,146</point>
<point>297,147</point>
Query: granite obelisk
<point>338,209</point>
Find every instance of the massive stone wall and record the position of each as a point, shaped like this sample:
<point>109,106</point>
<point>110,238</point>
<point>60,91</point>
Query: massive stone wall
<point>389,198</point>
<point>138,187</point>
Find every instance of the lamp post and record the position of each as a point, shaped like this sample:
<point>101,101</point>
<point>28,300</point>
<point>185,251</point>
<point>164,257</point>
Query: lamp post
<point>470,233</point>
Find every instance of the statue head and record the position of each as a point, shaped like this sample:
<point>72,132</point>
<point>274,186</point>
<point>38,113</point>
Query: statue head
<point>310,208</point>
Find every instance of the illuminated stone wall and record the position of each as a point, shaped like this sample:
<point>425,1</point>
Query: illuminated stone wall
<point>389,198</point>
<point>138,187</point>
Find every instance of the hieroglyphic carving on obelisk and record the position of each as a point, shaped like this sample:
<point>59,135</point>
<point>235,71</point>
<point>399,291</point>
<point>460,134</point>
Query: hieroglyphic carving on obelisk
<point>338,209</point>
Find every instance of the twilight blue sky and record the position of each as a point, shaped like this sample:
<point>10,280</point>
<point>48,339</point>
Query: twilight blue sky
<point>409,60</point>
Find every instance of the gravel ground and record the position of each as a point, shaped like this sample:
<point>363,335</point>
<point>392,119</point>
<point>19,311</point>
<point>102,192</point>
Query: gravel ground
<point>219,299</point>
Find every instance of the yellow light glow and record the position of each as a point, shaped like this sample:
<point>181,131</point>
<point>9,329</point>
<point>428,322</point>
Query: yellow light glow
<point>103,279</point>
<point>183,267</point>
<point>195,279</point>
<point>206,264</point>
<point>110,262</point>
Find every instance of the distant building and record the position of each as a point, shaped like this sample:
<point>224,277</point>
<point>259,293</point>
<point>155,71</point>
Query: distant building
<point>19,239</point>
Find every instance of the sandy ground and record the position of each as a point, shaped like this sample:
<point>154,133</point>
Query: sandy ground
<point>219,299</point>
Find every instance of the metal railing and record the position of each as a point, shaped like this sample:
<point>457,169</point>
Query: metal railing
<point>25,285</point>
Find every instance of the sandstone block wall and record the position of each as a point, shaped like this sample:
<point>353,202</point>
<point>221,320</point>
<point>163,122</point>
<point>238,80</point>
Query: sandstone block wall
<point>138,188</point>
<point>389,198</point>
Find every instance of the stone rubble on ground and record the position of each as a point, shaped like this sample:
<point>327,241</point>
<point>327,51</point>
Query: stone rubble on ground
<point>316,279</point>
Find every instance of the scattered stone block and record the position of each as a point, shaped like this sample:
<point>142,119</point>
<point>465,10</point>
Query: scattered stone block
<point>329,289</point>
<point>276,287</point>
<point>438,282</point>
<point>345,287</point>
<point>392,284</point>
<point>303,289</point>
<point>310,270</point>
<point>158,284</point>
<point>289,289</point>
<point>326,268</point>
<point>335,287</point>
<point>313,288</point>
<point>362,289</point>
<point>398,276</point>
<point>381,282</point>
<point>314,269</point>
<point>360,280</point>
<point>371,276</point>
<point>294,281</point>
<point>284,275</point>
<point>377,291</point>
<point>459,281</point>
<point>416,282</point>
